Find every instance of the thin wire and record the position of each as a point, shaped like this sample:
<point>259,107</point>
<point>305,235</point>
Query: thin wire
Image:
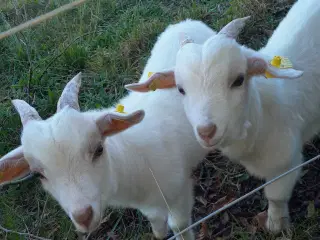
<point>41,18</point>
<point>243,197</point>
<point>168,207</point>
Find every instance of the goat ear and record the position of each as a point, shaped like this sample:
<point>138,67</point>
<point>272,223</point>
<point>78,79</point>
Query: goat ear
<point>13,166</point>
<point>233,28</point>
<point>25,111</point>
<point>159,80</point>
<point>258,66</point>
<point>69,96</point>
<point>110,123</point>
<point>184,39</point>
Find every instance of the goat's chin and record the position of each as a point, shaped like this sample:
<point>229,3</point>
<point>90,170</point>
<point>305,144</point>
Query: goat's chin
<point>81,229</point>
<point>207,146</point>
<point>212,145</point>
<point>91,229</point>
<point>93,226</point>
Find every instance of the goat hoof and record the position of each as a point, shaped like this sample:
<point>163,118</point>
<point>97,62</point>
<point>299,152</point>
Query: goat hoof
<point>276,225</point>
<point>152,236</point>
<point>159,235</point>
<point>81,236</point>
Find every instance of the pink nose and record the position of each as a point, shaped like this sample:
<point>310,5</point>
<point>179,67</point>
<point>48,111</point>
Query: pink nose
<point>83,216</point>
<point>207,132</point>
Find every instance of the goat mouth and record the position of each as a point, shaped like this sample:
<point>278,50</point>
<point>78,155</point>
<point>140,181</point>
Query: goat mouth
<point>88,230</point>
<point>215,144</point>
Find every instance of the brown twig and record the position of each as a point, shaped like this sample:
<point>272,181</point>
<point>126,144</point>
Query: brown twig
<point>44,208</point>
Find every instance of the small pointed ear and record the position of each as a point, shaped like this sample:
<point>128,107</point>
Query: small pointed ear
<point>25,111</point>
<point>184,39</point>
<point>13,166</point>
<point>258,66</point>
<point>110,123</point>
<point>69,96</point>
<point>159,80</point>
<point>233,28</point>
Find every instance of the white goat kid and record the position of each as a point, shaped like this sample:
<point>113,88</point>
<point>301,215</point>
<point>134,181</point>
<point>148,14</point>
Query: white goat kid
<point>261,123</point>
<point>86,169</point>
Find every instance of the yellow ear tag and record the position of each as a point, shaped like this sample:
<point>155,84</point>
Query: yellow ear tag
<point>153,85</point>
<point>120,108</point>
<point>279,62</point>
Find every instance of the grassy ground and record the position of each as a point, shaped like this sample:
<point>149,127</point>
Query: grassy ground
<point>109,41</point>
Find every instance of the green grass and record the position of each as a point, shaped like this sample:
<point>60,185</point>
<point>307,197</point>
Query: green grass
<point>109,41</point>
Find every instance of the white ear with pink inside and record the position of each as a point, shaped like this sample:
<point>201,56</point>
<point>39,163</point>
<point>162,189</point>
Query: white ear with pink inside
<point>258,66</point>
<point>13,166</point>
<point>158,80</point>
<point>113,123</point>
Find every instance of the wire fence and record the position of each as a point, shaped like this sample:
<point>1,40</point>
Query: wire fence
<point>74,4</point>
<point>40,19</point>
<point>245,196</point>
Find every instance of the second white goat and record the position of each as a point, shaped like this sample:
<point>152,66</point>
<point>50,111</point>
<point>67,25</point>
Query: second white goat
<point>261,123</point>
<point>87,164</point>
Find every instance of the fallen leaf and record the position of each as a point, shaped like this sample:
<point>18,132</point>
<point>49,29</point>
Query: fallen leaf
<point>202,200</point>
<point>208,182</point>
<point>303,173</point>
<point>263,203</point>
<point>260,219</point>
<point>317,201</point>
<point>203,234</point>
<point>148,236</point>
<point>311,209</point>
<point>268,32</point>
<point>250,228</point>
<point>243,177</point>
<point>212,195</point>
<point>112,236</point>
<point>225,218</point>
<point>221,202</point>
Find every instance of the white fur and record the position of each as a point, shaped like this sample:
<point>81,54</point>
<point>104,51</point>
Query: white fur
<point>62,147</point>
<point>263,123</point>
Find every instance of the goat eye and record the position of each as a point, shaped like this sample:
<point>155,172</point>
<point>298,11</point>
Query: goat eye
<point>238,82</point>
<point>98,152</point>
<point>181,90</point>
<point>40,175</point>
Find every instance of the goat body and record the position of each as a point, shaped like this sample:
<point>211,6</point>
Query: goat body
<point>284,113</point>
<point>83,155</point>
<point>261,123</point>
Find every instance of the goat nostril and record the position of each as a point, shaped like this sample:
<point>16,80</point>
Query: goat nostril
<point>207,132</point>
<point>83,216</point>
<point>213,131</point>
